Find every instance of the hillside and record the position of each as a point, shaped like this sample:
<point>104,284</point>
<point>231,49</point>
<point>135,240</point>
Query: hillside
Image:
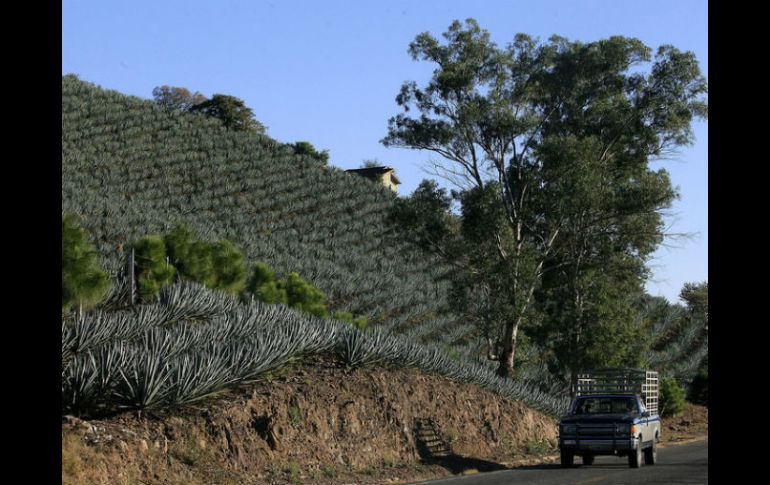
<point>130,168</point>
<point>317,423</point>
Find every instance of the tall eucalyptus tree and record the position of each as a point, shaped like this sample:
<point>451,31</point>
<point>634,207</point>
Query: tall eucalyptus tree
<point>532,131</point>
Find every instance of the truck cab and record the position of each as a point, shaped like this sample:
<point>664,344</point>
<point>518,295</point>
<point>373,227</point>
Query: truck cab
<point>614,412</point>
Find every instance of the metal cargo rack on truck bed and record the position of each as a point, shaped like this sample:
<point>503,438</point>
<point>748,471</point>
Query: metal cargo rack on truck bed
<point>620,381</point>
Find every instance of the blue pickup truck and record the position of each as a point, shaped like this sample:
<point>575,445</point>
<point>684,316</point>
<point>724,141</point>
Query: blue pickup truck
<point>614,412</point>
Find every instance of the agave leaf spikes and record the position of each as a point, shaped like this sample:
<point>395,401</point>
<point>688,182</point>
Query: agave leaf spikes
<point>144,381</point>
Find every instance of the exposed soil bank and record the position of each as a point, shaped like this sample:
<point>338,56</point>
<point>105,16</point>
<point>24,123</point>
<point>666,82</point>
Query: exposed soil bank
<point>692,424</point>
<point>321,424</point>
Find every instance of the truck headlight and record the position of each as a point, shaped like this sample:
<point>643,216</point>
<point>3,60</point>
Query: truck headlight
<point>623,428</point>
<point>568,429</point>
<point>634,430</point>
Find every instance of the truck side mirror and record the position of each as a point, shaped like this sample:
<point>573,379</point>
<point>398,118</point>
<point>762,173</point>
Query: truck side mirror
<point>646,414</point>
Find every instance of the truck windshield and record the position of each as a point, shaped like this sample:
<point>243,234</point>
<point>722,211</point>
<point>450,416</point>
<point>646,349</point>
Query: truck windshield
<point>605,405</point>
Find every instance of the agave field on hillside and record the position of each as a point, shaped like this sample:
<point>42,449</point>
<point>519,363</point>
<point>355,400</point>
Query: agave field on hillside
<point>131,168</point>
<point>195,342</point>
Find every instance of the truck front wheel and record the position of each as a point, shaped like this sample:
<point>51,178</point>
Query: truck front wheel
<point>651,454</point>
<point>588,459</point>
<point>567,458</point>
<point>635,457</point>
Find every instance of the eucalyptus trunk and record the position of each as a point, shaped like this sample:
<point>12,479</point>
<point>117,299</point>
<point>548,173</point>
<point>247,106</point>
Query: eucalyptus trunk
<point>505,368</point>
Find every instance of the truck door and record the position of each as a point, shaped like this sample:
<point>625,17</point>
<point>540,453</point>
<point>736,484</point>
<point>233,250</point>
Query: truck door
<point>647,433</point>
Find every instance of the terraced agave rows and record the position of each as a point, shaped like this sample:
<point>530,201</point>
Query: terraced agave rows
<point>153,356</point>
<point>130,168</point>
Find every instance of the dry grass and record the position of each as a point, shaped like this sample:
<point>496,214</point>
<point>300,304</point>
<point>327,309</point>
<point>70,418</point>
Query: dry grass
<point>73,455</point>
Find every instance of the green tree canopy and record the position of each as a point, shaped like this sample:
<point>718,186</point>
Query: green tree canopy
<point>425,217</point>
<point>590,318</point>
<point>176,98</point>
<point>232,111</point>
<point>551,142</point>
<point>306,148</point>
<point>696,297</point>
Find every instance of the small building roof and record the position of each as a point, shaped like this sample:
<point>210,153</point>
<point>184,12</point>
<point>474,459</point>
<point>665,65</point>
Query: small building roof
<point>375,171</point>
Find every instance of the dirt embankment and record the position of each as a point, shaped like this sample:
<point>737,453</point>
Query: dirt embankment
<point>320,424</point>
<point>691,425</point>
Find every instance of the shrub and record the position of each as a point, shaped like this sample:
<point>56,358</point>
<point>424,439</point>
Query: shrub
<point>452,435</point>
<point>671,398</point>
<point>537,446</point>
<point>360,322</point>
<point>295,416</point>
<point>389,461</point>
<point>294,472</point>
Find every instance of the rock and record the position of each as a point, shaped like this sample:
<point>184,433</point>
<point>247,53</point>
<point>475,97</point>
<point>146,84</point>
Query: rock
<point>76,423</point>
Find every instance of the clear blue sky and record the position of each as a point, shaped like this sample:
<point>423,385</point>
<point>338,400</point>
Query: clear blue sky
<point>328,71</point>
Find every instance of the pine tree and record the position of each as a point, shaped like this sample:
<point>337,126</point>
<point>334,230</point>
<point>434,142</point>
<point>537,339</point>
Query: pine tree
<point>229,267</point>
<point>152,268</point>
<point>303,296</point>
<point>263,287</point>
<point>83,283</point>
<point>193,259</point>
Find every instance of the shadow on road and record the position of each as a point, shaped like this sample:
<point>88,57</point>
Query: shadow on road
<point>457,464</point>
<point>541,466</point>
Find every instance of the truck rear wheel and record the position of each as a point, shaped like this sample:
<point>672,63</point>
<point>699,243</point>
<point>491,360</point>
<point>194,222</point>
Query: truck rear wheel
<point>635,457</point>
<point>567,458</point>
<point>651,454</point>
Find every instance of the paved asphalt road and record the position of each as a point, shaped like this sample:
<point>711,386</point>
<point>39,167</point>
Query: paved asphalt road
<point>684,464</point>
